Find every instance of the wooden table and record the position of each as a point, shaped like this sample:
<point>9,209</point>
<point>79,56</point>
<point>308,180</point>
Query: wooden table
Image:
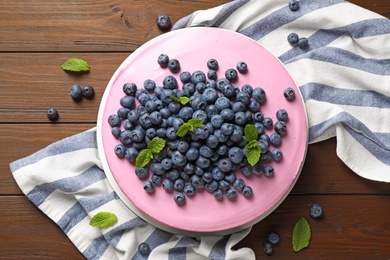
<point>36,37</point>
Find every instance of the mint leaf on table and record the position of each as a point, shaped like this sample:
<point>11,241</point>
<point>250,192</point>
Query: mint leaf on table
<point>75,65</point>
<point>253,152</point>
<point>103,219</point>
<point>182,100</point>
<point>156,145</point>
<point>189,126</point>
<point>143,158</point>
<point>301,235</point>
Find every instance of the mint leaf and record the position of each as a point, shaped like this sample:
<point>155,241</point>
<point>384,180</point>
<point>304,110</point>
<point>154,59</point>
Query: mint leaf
<point>250,132</point>
<point>143,158</point>
<point>182,100</point>
<point>301,235</point>
<point>103,220</point>
<point>156,145</point>
<point>76,65</point>
<point>183,130</point>
<point>253,152</point>
<point>195,122</point>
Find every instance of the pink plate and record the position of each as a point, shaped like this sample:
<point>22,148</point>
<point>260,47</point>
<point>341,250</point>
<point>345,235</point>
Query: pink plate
<point>193,47</point>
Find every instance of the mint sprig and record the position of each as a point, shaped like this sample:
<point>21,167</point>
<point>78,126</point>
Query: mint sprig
<point>189,126</point>
<point>75,65</point>
<point>253,152</point>
<point>103,219</point>
<point>301,235</point>
<point>154,147</point>
<point>182,100</point>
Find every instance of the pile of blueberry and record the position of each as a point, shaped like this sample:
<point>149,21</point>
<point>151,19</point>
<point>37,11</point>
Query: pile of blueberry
<point>209,154</point>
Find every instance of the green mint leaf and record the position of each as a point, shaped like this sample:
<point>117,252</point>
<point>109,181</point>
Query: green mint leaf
<point>250,132</point>
<point>195,122</point>
<point>182,100</point>
<point>183,130</point>
<point>143,158</point>
<point>103,220</point>
<point>253,152</point>
<point>156,145</point>
<point>301,235</point>
<point>76,65</point>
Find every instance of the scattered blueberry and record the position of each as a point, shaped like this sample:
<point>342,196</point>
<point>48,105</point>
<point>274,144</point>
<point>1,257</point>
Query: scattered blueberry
<point>289,93</point>
<point>179,198</point>
<point>268,248</point>
<point>293,38</point>
<point>293,5</point>
<point>163,60</point>
<point>144,249</point>
<point>242,67</point>
<point>212,64</point>
<point>88,91</point>
<point>273,238</point>
<point>76,92</point>
<point>163,22</point>
<point>303,43</point>
<point>316,211</point>
<point>149,186</point>
<point>52,114</point>
<point>174,65</point>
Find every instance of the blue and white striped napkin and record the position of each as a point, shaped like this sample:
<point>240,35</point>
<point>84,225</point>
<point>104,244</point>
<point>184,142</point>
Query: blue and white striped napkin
<point>344,77</point>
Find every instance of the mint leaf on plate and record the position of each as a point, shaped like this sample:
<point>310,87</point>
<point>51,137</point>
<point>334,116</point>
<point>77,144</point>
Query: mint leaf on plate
<point>75,65</point>
<point>103,219</point>
<point>301,235</point>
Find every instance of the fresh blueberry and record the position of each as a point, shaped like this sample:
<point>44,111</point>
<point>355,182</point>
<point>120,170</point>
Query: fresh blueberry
<point>282,114</point>
<point>276,154</point>
<point>120,150</point>
<point>242,67</point>
<point>157,179</point>
<point>114,120</point>
<point>212,64</point>
<point>167,185</point>
<point>210,95</point>
<point>157,168</point>
<point>268,170</point>
<point>229,90</point>
<point>192,154</point>
<point>178,159</point>
<point>196,181</point>
<point>183,146</point>
<point>225,165</point>
<point>88,91</point>
<point>280,127</point>
<point>218,194</point>
<point>221,83</point>
<point>125,137</point>
<point>52,114</point>
<point>260,128</point>
<point>140,91</point>
<point>170,82</point>
<point>76,92</point>
<point>155,117</point>
<point>128,102</point>
<point>231,193</point>
<point>275,139</point>
<point>230,178</point>
<point>131,154</point>
<point>227,115</point>
<point>212,74</point>
<point>212,141</point>
<point>293,38</point>
<point>289,93</point>
<point>144,249</point>
<point>179,198</point>
<point>239,184</point>
<point>273,237</point>
<point>179,184</point>
<point>163,60</point>
<point>231,75</point>
<point>148,186</point>
<point>198,76</point>
<point>203,162</point>
<point>116,131</point>
<point>163,22</point>
<point>149,85</point>
<point>316,211</point>
<point>130,89</point>
<point>247,89</point>
<point>247,191</point>
<point>217,174</point>
<point>185,77</point>
<point>268,248</point>
<point>211,186</point>
<point>258,169</point>
<point>142,173</point>
<point>216,121</point>
<point>303,43</point>
<point>174,65</point>
<point>293,5</point>
<point>254,106</point>
<point>185,113</point>
<point>189,190</point>
<point>268,122</point>
<point>240,118</point>
<point>198,103</point>
<point>259,95</point>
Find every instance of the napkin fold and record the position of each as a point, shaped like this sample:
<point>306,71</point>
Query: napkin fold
<point>343,76</point>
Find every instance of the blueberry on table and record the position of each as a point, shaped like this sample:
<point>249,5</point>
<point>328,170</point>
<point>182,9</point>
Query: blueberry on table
<point>316,211</point>
<point>293,5</point>
<point>76,92</point>
<point>268,248</point>
<point>163,22</point>
<point>144,249</point>
<point>293,38</point>
<point>273,238</point>
<point>52,114</point>
<point>88,91</point>
<point>303,43</point>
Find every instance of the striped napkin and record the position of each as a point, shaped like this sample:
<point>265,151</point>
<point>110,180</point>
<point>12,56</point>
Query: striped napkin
<point>343,75</point>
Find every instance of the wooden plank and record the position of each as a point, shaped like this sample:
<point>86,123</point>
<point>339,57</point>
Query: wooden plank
<point>323,172</point>
<point>339,234</point>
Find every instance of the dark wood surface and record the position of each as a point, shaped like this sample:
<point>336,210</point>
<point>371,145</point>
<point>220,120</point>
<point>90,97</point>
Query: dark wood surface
<point>36,37</point>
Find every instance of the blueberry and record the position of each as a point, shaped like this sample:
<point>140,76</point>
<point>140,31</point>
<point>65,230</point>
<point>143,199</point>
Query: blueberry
<point>246,170</point>
<point>247,89</point>
<point>183,146</point>
<point>210,95</point>
<point>240,118</point>
<point>114,120</point>
<point>268,248</point>
<point>237,135</point>
<point>205,151</point>
<point>293,5</point>
<point>227,128</point>
<point>185,113</point>
<point>254,106</point>
<point>185,77</point>
<point>282,114</point>
<point>230,178</point>
<point>267,122</point>
<point>116,131</point>
<point>275,139</point>
<point>259,95</point>
<point>268,171</point>
<point>148,186</point>
<point>280,127</point>
<point>218,194</point>
<point>263,145</point>
<point>289,93</point>
<point>76,92</point>
<point>227,115</point>
<point>303,43</point>
<point>130,89</point>
<point>52,114</point>
<point>157,168</point>
<point>163,22</point>
<point>316,211</point>
<point>212,186</point>
<point>247,191</point>
<point>293,38</point>
<point>189,190</point>
<point>228,90</point>
<point>144,249</point>
<point>212,141</point>
<point>133,116</point>
<point>221,83</point>
<point>203,162</point>
<point>128,102</point>
<point>212,74</point>
<point>155,117</point>
<point>273,237</point>
<point>174,65</point>
<point>212,64</point>
<point>131,154</point>
<point>258,169</point>
<point>198,103</point>
<point>231,193</point>
<point>207,177</point>
<point>163,60</point>
<point>157,179</point>
<point>198,76</point>
<point>167,185</point>
<point>142,173</point>
<point>138,92</point>
<point>125,137</point>
<point>189,87</point>
<point>231,75</point>
<point>196,181</point>
<point>276,154</point>
<point>189,168</point>
<point>120,150</point>
<point>225,165</point>
<point>242,67</point>
<point>170,82</point>
<point>88,91</point>
<point>192,154</point>
<point>239,184</point>
<point>179,184</point>
<point>217,174</point>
